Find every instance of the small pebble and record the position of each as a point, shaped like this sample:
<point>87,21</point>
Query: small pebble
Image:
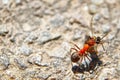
<point>3,30</point>
<point>56,63</point>
<point>49,1</point>
<point>43,75</point>
<point>107,73</point>
<point>35,59</point>
<point>25,50</point>
<point>21,62</point>
<point>118,65</point>
<point>93,9</point>
<point>57,21</point>
<point>18,1</point>
<point>105,13</point>
<point>62,5</point>
<point>31,38</point>
<point>4,61</point>
<point>97,17</point>
<point>35,4</point>
<point>77,34</point>
<point>5,1</point>
<point>46,36</point>
<point>97,2</point>
<point>28,27</point>
<point>111,1</point>
<point>106,28</point>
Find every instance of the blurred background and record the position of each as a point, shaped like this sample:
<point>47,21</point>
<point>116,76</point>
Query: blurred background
<point>35,38</point>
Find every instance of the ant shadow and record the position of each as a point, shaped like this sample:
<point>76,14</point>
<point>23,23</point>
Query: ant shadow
<point>91,67</point>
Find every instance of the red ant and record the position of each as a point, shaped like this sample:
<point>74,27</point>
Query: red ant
<point>83,56</point>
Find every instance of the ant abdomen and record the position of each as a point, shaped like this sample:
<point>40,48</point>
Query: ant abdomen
<point>75,57</point>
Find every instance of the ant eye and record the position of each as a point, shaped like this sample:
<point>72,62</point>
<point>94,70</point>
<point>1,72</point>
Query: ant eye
<point>98,39</point>
<point>75,57</point>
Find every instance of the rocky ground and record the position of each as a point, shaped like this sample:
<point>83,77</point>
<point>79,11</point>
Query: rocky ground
<point>36,36</point>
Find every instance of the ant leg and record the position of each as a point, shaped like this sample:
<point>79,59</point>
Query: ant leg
<point>81,59</point>
<point>88,58</point>
<point>103,46</point>
<point>73,49</point>
<point>75,45</point>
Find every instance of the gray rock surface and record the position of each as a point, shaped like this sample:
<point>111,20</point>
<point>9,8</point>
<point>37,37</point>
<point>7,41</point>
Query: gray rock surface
<point>36,37</point>
<point>4,61</point>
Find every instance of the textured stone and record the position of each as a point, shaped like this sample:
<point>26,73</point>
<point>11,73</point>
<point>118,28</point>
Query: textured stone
<point>21,62</point>
<point>5,1</point>
<point>28,27</point>
<point>106,28</point>
<point>43,75</point>
<point>97,2</point>
<point>107,73</point>
<point>31,38</point>
<point>111,1</point>
<point>57,20</point>
<point>4,61</point>
<point>77,34</point>
<point>118,25</point>
<point>3,30</point>
<point>25,50</point>
<point>35,59</point>
<point>60,51</point>
<point>35,4</point>
<point>105,13</point>
<point>93,8</point>
<point>46,36</point>
<point>53,24</point>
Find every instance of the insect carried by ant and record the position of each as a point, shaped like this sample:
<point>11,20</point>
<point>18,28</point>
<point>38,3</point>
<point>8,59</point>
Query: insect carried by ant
<point>88,53</point>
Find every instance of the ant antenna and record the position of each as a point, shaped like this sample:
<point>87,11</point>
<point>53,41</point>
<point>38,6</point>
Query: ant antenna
<point>91,25</point>
<point>103,47</point>
<point>105,35</point>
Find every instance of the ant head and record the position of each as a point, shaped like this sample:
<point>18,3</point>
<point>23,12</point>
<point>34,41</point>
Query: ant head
<point>98,40</point>
<point>75,57</point>
<point>87,37</point>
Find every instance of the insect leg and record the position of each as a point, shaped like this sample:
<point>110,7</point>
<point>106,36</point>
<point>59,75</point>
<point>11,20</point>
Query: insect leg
<point>75,45</point>
<point>88,58</point>
<point>81,59</point>
<point>73,49</point>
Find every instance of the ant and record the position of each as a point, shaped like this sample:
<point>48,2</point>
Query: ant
<point>89,51</point>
